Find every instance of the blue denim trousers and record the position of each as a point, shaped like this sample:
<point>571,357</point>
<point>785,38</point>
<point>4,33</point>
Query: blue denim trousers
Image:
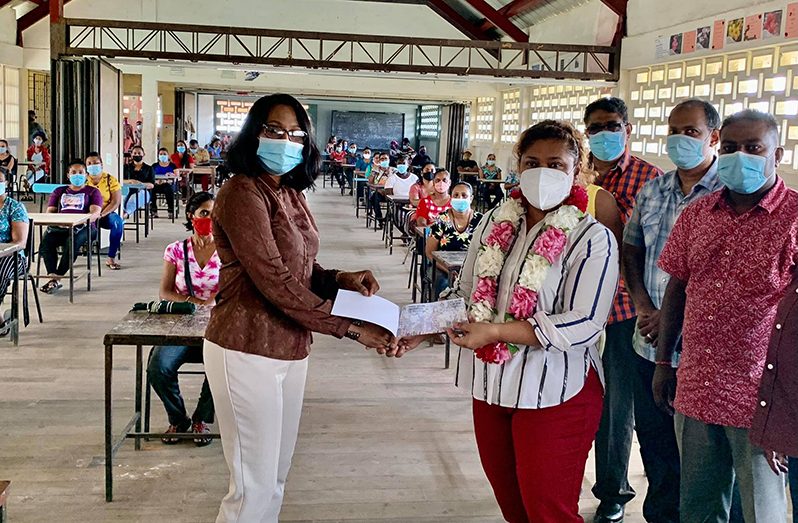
<point>162,369</point>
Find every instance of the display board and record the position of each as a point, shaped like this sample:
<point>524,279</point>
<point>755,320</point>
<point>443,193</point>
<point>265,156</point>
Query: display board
<point>367,129</point>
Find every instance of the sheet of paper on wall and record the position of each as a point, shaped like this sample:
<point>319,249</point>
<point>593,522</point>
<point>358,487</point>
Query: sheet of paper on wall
<point>411,320</point>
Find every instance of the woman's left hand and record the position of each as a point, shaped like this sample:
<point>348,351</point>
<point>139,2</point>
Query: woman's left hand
<point>363,282</point>
<point>473,335</point>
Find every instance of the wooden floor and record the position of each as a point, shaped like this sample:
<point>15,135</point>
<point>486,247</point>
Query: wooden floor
<point>380,440</point>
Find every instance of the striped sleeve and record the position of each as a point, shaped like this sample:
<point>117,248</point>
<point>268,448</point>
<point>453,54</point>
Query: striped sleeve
<point>591,280</point>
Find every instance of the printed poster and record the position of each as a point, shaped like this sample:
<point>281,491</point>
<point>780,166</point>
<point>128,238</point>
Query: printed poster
<point>703,38</point>
<point>772,24</point>
<point>661,47</point>
<point>689,41</point>
<point>675,46</point>
<point>791,25</point>
<point>718,33</point>
<point>753,28</point>
<point>734,31</point>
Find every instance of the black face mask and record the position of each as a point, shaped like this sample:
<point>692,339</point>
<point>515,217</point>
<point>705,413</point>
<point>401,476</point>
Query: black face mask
<point>137,158</point>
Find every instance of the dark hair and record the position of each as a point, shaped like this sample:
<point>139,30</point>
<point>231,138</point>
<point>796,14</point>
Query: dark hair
<point>164,149</point>
<point>76,161</point>
<point>402,158</point>
<point>553,130</point>
<point>137,147</point>
<point>214,140</point>
<point>464,184</point>
<point>710,113</point>
<point>39,134</point>
<point>242,157</point>
<point>609,105</point>
<point>750,115</point>
<point>94,154</point>
<point>193,142</point>
<point>4,141</point>
<point>194,203</point>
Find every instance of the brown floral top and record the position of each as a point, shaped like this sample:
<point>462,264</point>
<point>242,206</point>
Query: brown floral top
<point>272,293</point>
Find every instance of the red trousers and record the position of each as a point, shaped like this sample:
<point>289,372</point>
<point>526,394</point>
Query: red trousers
<point>535,458</point>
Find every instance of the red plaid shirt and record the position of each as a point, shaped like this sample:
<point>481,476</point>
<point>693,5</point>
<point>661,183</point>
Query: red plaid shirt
<point>624,181</point>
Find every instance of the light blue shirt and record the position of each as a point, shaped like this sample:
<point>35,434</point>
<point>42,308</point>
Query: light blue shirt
<point>659,204</point>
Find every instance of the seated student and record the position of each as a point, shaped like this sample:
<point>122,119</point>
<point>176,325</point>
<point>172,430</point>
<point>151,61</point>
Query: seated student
<point>423,186</point>
<point>363,161</point>
<point>452,230</point>
<point>401,180</point>
<point>406,148</point>
<point>215,149</point>
<point>467,169</point>
<point>8,164</point>
<point>512,181</point>
<point>40,154</point>
<point>421,158</point>
<point>166,188</point>
<point>138,172</point>
<point>381,177</point>
<point>199,155</point>
<point>75,198</point>
<point>190,273</point>
<point>14,226</point>
<point>331,143</point>
<point>380,169</point>
<point>351,158</point>
<point>182,160</point>
<point>492,193</point>
<point>338,157</point>
<point>436,203</point>
<point>112,198</point>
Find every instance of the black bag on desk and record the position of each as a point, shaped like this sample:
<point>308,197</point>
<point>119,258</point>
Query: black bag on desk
<point>173,307</point>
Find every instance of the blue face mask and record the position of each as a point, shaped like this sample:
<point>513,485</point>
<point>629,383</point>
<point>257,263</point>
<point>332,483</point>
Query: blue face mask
<point>94,170</point>
<point>181,149</point>
<point>607,145</point>
<point>461,204</point>
<point>3,149</point>
<point>402,168</point>
<point>742,173</point>
<point>385,163</point>
<point>78,180</point>
<point>685,152</point>
<point>279,156</point>
<point>163,158</point>
<point>2,188</point>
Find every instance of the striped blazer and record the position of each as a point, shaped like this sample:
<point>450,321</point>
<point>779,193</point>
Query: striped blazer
<point>573,306</point>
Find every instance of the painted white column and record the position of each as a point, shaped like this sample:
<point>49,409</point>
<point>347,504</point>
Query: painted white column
<point>149,109</point>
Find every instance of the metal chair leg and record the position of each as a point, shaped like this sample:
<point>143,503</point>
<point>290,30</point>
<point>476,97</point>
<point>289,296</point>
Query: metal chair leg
<point>36,298</point>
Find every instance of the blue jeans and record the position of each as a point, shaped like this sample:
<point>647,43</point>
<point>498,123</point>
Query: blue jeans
<point>162,373</point>
<point>136,200</point>
<point>114,223</point>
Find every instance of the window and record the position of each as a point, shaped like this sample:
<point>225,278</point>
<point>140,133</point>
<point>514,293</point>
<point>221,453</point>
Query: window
<point>430,121</point>
<point>511,115</point>
<point>11,103</point>
<point>39,98</point>
<point>485,107</point>
<point>570,109</point>
<point>764,79</point>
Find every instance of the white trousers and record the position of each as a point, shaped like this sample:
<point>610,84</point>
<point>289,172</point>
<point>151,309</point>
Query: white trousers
<point>258,404</point>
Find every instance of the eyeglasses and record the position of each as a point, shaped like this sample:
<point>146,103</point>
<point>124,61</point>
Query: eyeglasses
<point>612,127</point>
<point>277,133</point>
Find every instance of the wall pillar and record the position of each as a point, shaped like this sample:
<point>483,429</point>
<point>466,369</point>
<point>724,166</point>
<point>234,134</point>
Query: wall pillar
<point>149,110</point>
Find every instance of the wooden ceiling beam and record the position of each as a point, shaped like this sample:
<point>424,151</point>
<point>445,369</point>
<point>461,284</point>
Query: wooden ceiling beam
<point>502,22</point>
<point>448,13</point>
<point>514,8</point>
<point>38,14</point>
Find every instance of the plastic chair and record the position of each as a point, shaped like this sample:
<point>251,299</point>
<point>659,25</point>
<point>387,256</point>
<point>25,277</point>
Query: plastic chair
<point>44,189</point>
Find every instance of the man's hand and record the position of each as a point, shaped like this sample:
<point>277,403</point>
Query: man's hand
<point>374,337</point>
<point>777,461</point>
<point>405,345</point>
<point>473,335</point>
<point>648,323</point>
<point>664,387</point>
<point>363,282</point>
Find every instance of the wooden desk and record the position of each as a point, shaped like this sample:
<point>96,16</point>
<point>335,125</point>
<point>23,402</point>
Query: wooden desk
<point>9,250</point>
<point>210,170</point>
<point>69,221</point>
<point>5,486</point>
<point>139,329</point>
<point>452,262</point>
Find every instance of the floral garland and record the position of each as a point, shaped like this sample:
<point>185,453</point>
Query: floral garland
<point>547,247</point>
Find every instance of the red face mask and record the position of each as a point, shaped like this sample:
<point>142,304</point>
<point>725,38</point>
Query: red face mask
<point>202,226</point>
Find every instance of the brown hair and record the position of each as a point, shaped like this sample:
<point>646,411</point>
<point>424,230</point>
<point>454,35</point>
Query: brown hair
<point>557,130</point>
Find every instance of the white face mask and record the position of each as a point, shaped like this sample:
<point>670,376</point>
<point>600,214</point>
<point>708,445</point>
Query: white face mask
<point>545,188</point>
